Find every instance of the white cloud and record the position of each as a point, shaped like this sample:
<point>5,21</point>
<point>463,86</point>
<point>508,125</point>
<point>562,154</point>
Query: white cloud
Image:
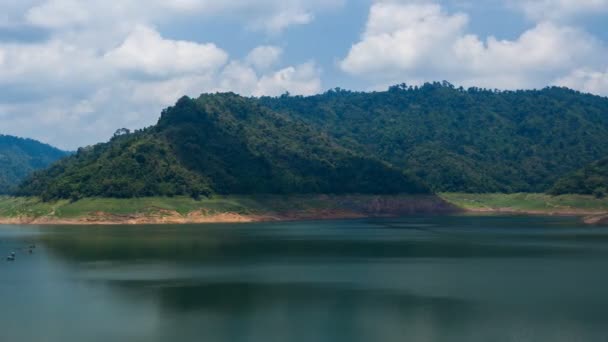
<point>280,21</point>
<point>264,57</point>
<point>101,65</point>
<point>560,9</point>
<point>71,95</point>
<point>302,79</point>
<point>420,41</point>
<point>54,62</point>
<point>144,50</point>
<point>272,16</point>
<point>402,37</point>
<point>58,14</point>
<point>587,80</point>
<point>299,80</point>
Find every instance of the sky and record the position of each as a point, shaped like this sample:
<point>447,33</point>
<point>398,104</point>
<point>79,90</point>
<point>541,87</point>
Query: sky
<point>74,71</point>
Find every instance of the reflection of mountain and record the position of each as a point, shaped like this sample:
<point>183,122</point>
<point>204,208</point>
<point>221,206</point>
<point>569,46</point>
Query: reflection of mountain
<point>234,297</point>
<point>250,243</point>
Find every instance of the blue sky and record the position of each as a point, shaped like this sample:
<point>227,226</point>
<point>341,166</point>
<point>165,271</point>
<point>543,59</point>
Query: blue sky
<point>73,71</point>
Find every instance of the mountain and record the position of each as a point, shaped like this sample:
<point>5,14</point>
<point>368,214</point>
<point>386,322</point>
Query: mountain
<point>223,144</point>
<point>464,140</point>
<point>20,157</point>
<point>590,180</point>
<point>453,139</point>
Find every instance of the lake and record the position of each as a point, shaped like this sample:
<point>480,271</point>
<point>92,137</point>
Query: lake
<point>409,279</point>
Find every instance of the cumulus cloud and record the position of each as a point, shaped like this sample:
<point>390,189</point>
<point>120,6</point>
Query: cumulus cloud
<point>560,9</point>
<point>102,65</point>
<point>302,79</point>
<point>299,80</point>
<point>93,66</point>
<point>420,41</point>
<point>72,95</point>
<point>58,14</point>
<point>587,80</point>
<point>264,57</point>
<point>401,37</point>
<point>145,51</point>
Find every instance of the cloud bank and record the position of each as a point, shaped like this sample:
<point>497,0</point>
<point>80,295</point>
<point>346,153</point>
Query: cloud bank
<point>421,41</point>
<point>73,71</point>
<point>105,65</point>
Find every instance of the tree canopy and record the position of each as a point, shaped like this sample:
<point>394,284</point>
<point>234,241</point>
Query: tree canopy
<point>404,140</point>
<point>464,140</point>
<point>222,144</point>
<point>590,180</point>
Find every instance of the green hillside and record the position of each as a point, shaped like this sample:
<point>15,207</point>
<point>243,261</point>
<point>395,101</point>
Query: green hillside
<point>591,180</point>
<point>461,140</point>
<point>454,140</point>
<point>222,144</point>
<point>20,157</point>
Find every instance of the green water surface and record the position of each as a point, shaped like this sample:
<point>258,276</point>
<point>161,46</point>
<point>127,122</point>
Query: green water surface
<point>410,279</point>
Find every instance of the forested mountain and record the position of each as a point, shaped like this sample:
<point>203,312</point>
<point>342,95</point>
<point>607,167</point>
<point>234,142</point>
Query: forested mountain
<point>464,140</point>
<point>341,141</point>
<point>590,180</point>
<point>20,157</point>
<point>223,144</point>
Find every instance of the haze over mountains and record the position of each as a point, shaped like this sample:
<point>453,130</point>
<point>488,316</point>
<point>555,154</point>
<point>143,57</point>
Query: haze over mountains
<point>20,157</point>
<point>404,140</point>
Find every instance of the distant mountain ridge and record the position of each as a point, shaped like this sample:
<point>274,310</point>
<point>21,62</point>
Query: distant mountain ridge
<point>19,157</point>
<point>223,144</point>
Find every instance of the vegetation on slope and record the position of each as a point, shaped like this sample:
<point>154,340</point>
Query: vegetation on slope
<point>117,210</point>
<point>20,157</point>
<point>528,203</point>
<point>456,140</point>
<point>591,180</point>
<point>461,140</point>
<point>223,144</point>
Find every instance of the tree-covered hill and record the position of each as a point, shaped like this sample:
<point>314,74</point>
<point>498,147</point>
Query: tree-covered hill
<point>590,180</point>
<point>222,144</point>
<point>20,157</point>
<point>461,140</point>
<point>455,140</point>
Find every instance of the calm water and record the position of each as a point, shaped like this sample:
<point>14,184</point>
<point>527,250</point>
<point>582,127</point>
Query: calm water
<point>413,279</point>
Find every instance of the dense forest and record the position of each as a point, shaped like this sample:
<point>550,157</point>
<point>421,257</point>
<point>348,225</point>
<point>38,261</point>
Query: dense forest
<point>590,180</point>
<point>20,157</point>
<point>464,140</point>
<point>435,137</point>
<point>222,144</point>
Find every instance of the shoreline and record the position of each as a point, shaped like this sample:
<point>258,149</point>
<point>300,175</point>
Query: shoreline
<point>249,209</point>
<point>228,209</point>
<point>591,210</point>
<point>104,219</point>
<point>588,217</point>
<point>188,219</point>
